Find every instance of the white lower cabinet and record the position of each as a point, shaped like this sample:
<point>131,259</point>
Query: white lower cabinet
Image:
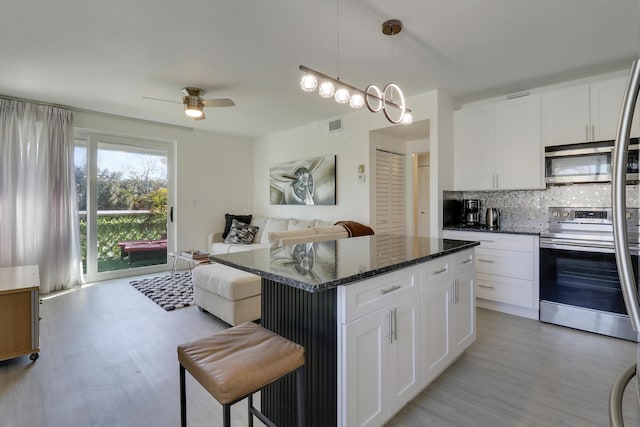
<point>448,313</point>
<point>381,356</point>
<point>507,271</point>
<point>398,331</point>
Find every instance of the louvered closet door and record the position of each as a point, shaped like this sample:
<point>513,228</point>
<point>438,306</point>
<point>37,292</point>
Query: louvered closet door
<point>390,193</point>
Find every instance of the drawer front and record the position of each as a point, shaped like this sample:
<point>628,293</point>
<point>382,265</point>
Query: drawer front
<point>463,261</point>
<point>510,242</point>
<point>508,264</point>
<point>436,271</point>
<point>372,294</point>
<point>505,290</point>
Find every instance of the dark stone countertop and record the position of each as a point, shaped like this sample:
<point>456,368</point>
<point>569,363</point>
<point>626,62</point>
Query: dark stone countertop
<point>504,230</point>
<point>319,266</point>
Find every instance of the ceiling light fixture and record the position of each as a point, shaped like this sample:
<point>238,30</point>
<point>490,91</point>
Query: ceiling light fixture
<point>192,102</point>
<point>390,99</point>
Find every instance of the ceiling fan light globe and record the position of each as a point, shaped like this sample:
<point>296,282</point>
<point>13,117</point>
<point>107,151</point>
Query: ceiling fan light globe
<point>308,83</point>
<point>356,101</point>
<point>193,112</point>
<point>326,89</point>
<point>342,95</point>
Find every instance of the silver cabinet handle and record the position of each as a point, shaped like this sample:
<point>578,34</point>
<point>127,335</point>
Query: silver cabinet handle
<point>443,270</point>
<point>391,289</point>
<point>395,324</point>
<point>486,260</point>
<point>390,316</point>
<point>486,286</point>
<point>467,261</point>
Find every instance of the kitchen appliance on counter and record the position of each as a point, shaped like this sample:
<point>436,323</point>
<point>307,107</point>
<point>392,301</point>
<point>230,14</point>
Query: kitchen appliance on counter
<point>587,162</point>
<point>579,284</point>
<point>492,218</point>
<point>471,211</point>
<point>626,259</point>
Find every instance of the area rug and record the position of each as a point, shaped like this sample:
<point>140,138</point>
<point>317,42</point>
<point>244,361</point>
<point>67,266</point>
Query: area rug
<point>168,292</point>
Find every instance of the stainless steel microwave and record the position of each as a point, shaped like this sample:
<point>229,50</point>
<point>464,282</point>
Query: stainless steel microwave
<point>586,162</point>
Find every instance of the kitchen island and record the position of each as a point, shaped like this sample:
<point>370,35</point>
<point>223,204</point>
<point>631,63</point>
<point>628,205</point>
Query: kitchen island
<point>379,316</point>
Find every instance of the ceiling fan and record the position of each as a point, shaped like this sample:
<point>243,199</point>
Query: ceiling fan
<point>193,102</point>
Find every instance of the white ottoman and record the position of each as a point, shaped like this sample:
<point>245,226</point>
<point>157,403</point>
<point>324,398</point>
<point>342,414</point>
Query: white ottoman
<point>229,294</point>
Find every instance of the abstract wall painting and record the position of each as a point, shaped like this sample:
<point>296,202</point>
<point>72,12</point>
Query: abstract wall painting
<point>304,182</point>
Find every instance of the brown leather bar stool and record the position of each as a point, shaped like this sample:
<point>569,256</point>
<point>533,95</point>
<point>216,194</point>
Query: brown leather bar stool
<point>237,362</point>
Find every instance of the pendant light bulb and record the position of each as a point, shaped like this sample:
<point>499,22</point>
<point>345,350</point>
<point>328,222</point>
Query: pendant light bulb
<point>326,89</point>
<point>356,101</point>
<point>342,95</point>
<point>407,118</point>
<point>308,83</point>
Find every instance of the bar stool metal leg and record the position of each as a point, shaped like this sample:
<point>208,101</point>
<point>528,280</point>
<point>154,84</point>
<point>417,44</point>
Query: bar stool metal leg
<point>226,417</point>
<point>183,399</point>
<point>249,406</point>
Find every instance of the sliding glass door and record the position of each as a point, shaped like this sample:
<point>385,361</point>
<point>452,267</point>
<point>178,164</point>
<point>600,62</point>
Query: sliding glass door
<point>124,198</point>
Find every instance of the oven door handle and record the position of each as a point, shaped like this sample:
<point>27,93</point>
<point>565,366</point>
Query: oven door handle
<point>618,190</point>
<point>573,245</point>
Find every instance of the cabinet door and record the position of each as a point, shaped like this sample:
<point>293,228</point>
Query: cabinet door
<point>518,144</point>
<point>436,347</point>
<point>474,148</point>
<point>366,345</point>
<point>464,310</point>
<point>405,351</point>
<point>606,100</point>
<point>565,115</point>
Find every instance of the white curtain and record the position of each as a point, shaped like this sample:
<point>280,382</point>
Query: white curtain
<point>38,209</point>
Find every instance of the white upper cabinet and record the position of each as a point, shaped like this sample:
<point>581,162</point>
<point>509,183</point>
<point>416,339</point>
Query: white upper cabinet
<point>474,147</point>
<point>497,146</point>
<point>584,113</point>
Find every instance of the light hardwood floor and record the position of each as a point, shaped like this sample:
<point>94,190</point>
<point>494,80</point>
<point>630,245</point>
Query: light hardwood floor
<point>108,358</point>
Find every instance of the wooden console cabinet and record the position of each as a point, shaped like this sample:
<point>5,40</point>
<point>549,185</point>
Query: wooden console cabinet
<point>19,311</point>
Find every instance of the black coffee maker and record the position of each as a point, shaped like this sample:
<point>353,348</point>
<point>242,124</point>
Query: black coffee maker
<point>471,209</point>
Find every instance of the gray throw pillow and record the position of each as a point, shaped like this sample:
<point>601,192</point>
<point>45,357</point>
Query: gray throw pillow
<point>241,233</point>
<point>228,219</point>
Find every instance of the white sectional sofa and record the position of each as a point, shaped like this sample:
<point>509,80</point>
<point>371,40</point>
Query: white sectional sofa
<point>233,295</point>
<point>277,232</point>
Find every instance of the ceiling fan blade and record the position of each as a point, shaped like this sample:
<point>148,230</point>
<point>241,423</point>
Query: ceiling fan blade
<point>223,102</point>
<point>160,99</point>
<point>202,117</point>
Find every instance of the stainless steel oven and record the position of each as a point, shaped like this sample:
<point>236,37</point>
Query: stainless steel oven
<point>579,284</point>
<point>587,162</point>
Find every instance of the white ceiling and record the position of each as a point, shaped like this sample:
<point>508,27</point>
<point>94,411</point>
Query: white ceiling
<point>107,55</point>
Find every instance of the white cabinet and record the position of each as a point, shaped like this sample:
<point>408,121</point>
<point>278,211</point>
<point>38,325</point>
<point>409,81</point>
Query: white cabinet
<point>448,312</point>
<point>381,347</point>
<point>507,271</point>
<point>584,113</point>
<point>498,145</point>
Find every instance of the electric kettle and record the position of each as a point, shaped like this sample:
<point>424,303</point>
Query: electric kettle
<point>493,218</point>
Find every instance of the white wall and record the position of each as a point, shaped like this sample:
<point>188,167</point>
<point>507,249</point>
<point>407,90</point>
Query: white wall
<point>215,173</point>
<point>352,147</point>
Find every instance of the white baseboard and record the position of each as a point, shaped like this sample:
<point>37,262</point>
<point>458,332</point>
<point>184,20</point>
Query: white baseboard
<point>509,308</point>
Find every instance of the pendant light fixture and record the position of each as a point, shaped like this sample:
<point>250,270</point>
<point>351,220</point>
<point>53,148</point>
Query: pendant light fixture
<point>390,99</point>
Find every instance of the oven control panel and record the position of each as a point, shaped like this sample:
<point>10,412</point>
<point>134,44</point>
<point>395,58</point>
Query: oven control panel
<point>589,215</point>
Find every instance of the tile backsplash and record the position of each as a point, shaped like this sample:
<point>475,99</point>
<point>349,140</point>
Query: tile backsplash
<point>528,208</point>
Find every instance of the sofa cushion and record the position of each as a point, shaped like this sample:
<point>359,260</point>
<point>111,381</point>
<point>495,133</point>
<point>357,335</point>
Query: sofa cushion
<point>241,233</point>
<point>228,221</point>
<point>226,248</point>
<point>227,282</point>
<point>275,237</point>
<point>297,224</point>
<point>273,224</point>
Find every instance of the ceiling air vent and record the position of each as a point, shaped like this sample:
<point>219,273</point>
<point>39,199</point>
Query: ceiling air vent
<point>335,125</point>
